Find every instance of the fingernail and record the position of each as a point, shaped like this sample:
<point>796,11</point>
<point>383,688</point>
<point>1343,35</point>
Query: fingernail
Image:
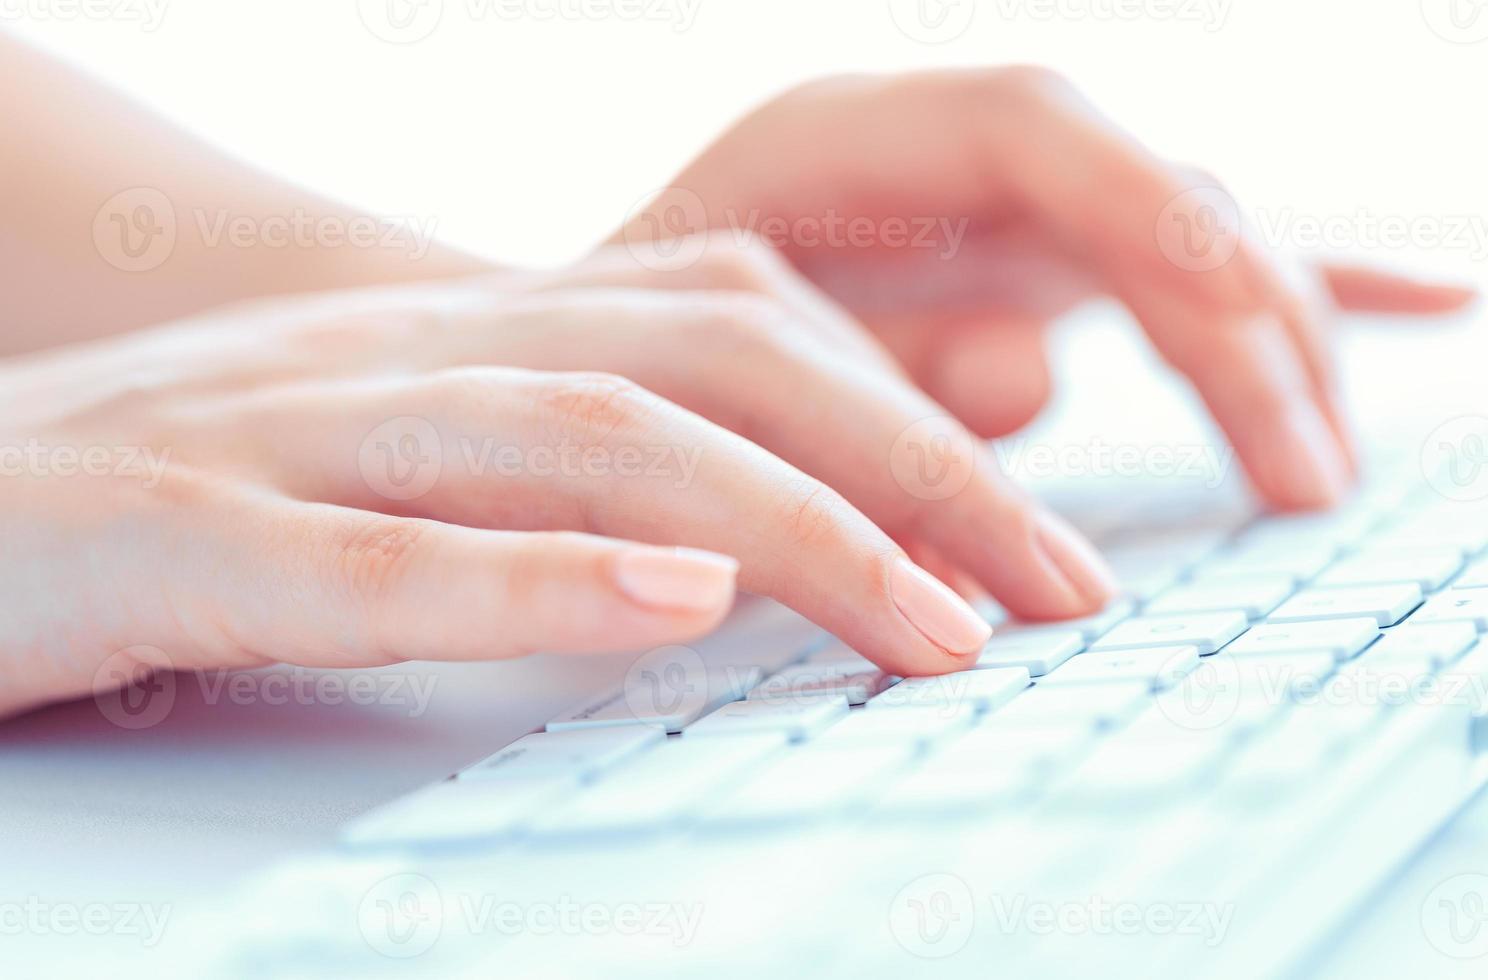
<point>1076,558</point>
<point>676,578</point>
<point>936,611</point>
<point>1305,461</point>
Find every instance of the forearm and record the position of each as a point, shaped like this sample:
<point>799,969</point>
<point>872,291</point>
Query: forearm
<point>78,260</point>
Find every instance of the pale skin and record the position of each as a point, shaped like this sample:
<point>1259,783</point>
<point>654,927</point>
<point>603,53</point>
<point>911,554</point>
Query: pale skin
<point>765,388</point>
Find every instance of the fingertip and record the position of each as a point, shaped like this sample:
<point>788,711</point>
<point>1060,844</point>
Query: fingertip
<point>683,580</point>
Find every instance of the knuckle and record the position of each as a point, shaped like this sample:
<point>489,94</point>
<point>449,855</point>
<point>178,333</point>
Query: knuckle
<point>752,266</point>
<point>597,403</point>
<point>372,560</point>
<point>812,514</point>
<point>751,325</point>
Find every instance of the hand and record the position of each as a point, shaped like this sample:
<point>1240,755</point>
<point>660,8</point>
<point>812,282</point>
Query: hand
<point>339,481</point>
<point>1031,203</point>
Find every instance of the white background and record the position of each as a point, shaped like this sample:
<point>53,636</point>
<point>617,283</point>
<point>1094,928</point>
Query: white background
<point>527,131</point>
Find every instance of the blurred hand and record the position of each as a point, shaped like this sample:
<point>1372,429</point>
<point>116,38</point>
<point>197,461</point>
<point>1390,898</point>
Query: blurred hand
<point>986,203</point>
<point>341,480</point>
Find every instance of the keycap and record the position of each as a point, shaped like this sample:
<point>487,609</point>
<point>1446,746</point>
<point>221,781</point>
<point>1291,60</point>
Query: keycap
<point>814,679</point>
<point>1126,771</point>
<point>1144,571</point>
<point>1447,528</point>
<point>1037,651</point>
<point>796,718</point>
<point>461,809</point>
<point>1268,558</point>
<point>1428,568</point>
<point>1235,693</point>
<point>838,652</point>
<point>1436,643</point>
<point>582,752</point>
<point>1207,631</point>
<point>1157,668</point>
<point>912,726</point>
<point>1254,595</point>
<point>1455,605</point>
<point>995,780</point>
<point>1083,705</point>
<point>811,781</point>
<point>1040,746</point>
<point>1340,526</point>
<point>1475,576</point>
<point>1343,638</point>
<point>983,689</point>
<point>662,787</point>
<point>1385,604</point>
<point>1089,627</point>
<point>661,700</point>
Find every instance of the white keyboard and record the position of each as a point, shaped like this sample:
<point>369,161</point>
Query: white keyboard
<point>1202,779</point>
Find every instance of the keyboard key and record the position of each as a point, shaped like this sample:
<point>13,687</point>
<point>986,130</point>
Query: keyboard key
<point>1125,771</point>
<point>1441,528</point>
<point>809,782</point>
<point>982,689</point>
<point>796,719</point>
<point>1455,605</point>
<point>460,810</point>
<point>1428,568</point>
<point>1385,604</point>
<point>994,780</point>
<point>1435,643</point>
<point>1079,705</point>
<point>910,726</point>
<point>1337,527</point>
<point>1207,631</point>
<point>1157,668</point>
<point>1037,651</point>
<point>1255,596</point>
<point>1475,576</point>
<point>815,679</point>
<point>1236,693</point>
<point>661,700</point>
<point>1343,638</point>
<point>1300,562</point>
<point>663,787</point>
<point>581,752</point>
<point>1089,627</point>
<point>838,652</point>
<point>1144,571</point>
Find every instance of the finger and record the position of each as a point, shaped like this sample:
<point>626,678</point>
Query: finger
<point>1369,290</point>
<point>332,586</point>
<point>1131,217</point>
<point>895,454</point>
<point>668,477</point>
